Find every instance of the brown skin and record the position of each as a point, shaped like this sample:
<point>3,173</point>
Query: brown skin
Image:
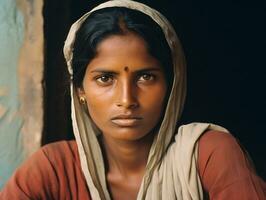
<point>125,89</point>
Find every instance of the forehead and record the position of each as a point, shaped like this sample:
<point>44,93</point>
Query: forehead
<point>121,43</point>
<point>125,51</point>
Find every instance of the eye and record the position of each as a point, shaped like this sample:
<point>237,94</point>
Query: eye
<point>104,79</point>
<point>146,77</point>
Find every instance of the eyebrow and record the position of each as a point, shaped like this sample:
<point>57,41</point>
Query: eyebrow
<point>148,69</point>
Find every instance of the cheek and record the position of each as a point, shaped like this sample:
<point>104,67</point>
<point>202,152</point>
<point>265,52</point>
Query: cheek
<point>97,110</point>
<point>154,99</point>
<point>98,101</point>
<point>97,104</point>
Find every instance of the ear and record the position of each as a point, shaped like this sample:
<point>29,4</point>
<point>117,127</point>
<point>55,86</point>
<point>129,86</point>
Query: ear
<point>81,92</point>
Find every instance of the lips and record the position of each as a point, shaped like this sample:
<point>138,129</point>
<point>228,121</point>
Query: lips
<point>126,120</point>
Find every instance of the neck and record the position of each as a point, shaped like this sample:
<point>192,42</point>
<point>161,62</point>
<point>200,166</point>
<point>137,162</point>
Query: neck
<point>128,158</point>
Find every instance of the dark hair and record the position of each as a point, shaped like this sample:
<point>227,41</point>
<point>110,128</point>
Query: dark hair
<point>118,21</point>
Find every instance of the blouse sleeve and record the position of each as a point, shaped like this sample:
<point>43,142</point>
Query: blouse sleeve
<point>35,179</point>
<point>225,171</point>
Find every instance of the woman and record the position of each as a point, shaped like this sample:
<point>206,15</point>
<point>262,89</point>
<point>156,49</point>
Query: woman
<point>128,90</point>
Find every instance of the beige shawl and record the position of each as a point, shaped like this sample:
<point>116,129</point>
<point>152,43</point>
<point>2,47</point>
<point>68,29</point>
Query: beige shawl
<point>171,171</point>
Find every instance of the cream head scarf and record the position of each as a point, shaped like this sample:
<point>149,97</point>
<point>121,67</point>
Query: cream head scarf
<point>171,171</point>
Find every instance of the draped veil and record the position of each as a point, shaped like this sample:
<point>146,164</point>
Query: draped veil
<point>171,171</point>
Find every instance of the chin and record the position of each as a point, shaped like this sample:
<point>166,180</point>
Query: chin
<point>129,134</point>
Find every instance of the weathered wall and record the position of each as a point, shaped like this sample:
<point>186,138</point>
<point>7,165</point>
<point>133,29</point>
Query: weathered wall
<point>21,65</point>
<point>31,73</point>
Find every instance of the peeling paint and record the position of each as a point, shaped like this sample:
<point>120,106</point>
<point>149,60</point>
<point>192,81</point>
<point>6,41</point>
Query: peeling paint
<point>31,5</point>
<point>21,34</point>
<point>31,75</point>
<point>11,38</point>
<point>2,111</point>
<point>3,92</point>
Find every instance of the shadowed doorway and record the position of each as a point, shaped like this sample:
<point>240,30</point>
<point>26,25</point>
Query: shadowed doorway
<point>58,17</point>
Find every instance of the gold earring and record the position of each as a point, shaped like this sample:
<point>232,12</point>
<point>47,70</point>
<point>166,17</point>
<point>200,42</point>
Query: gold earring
<point>82,100</point>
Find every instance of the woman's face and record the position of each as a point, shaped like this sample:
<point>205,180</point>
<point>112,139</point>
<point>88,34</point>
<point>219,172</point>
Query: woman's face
<point>125,88</point>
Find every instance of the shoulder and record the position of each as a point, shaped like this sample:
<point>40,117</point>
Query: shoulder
<point>217,141</point>
<point>225,168</point>
<point>63,157</point>
<point>218,149</point>
<point>62,150</point>
<point>51,154</point>
<point>212,138</point>
<point>60,145</point>
<point>221,148</point>
<point>45,164</point>
<point>49,167</point>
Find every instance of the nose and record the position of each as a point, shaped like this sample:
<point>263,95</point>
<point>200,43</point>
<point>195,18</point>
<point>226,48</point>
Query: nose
<point>127,95</point>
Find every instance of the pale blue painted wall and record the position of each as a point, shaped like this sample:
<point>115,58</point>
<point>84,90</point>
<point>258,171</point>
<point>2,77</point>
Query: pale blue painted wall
<point>11,38</point>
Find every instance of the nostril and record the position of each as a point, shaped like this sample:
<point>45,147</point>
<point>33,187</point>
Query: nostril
<point>133,105</point>
<point>127,104</point>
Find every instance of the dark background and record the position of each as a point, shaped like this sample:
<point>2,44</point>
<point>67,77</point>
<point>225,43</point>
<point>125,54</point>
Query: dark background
<point>225,48</point>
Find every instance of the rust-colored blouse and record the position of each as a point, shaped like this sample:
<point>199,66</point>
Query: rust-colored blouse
<point>54,172</point>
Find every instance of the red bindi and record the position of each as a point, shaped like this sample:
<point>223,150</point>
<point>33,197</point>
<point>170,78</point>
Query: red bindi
<point>126,69</point>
